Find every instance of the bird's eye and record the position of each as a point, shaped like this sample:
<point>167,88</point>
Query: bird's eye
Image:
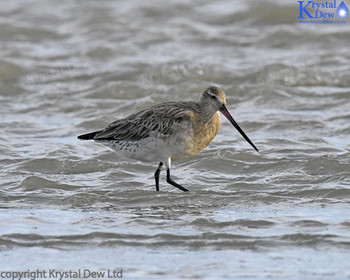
<point>213,97</point>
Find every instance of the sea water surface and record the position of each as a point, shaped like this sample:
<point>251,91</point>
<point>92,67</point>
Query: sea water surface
<point>71,67</point>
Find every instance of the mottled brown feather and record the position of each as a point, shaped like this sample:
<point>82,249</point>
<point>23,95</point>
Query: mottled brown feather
<point>157,119</point>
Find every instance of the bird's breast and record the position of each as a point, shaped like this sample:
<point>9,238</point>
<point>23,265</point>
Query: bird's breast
<point>202,133</point>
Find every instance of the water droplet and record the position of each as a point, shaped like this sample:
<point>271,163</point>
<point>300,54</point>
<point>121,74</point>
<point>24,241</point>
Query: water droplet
<point>342,10</point>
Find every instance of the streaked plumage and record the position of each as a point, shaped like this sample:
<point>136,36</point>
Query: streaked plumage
<point>167,131</point>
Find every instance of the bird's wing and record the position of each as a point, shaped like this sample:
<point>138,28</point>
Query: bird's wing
<point>161,118</point>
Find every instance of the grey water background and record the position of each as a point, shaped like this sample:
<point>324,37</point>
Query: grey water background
<point>70,67</point>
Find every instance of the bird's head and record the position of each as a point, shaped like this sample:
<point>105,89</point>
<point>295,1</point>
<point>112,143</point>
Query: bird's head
<point>213,99</point>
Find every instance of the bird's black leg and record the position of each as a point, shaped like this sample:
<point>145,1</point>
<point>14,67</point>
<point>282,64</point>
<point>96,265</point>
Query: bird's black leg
<point>171,182</point>
<point>156,175</point>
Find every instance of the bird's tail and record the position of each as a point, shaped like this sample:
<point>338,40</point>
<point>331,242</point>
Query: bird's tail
<point>88,136</point>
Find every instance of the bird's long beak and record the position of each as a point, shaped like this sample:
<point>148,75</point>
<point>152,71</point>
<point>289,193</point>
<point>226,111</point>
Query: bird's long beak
<point>227,114</point>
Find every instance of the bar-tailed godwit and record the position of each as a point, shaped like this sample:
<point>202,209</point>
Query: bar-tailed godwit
<point>168,131</point>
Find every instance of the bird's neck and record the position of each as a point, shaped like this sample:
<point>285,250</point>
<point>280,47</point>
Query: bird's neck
<point>207,111</point>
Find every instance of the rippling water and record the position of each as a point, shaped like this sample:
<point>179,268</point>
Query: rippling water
<point>69,67</point>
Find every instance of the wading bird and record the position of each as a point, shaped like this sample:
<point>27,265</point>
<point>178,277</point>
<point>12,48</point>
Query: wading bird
<point>168,131</point>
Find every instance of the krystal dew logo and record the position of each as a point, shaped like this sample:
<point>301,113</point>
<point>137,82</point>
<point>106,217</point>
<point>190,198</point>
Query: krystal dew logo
<point>322,12</point>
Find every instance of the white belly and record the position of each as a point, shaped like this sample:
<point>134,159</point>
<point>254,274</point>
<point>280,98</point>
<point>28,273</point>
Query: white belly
<point>155,148</point>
